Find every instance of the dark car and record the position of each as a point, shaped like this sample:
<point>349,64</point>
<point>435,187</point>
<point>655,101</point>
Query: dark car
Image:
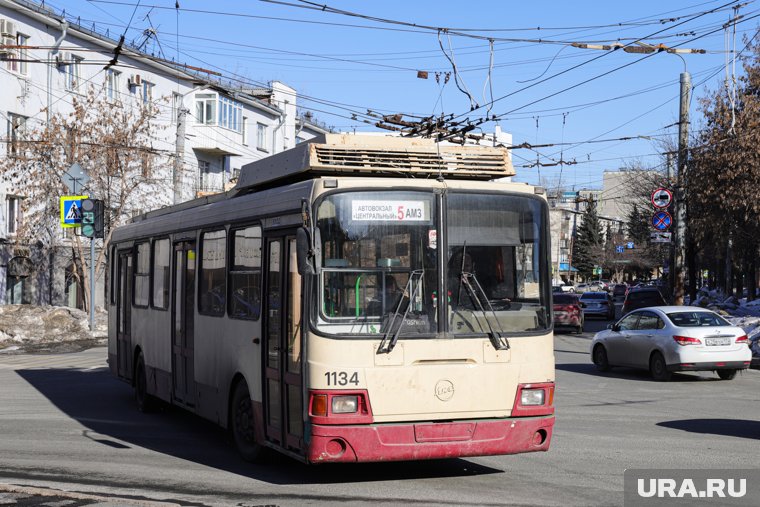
<point>598,303</point>
<point>642,297</point>
<point>567,312</point>
<point>619,290</point>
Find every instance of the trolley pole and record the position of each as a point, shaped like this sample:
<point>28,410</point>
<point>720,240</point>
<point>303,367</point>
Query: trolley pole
<point>679,264</point>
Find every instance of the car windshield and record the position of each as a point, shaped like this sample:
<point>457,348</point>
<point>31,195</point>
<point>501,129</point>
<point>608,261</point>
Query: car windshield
<point>594,295</point>
<point>696,319</point>
<point>648,295</point>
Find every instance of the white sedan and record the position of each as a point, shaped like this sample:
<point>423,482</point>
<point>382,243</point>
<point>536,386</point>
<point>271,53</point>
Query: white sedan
<point>664,339</point>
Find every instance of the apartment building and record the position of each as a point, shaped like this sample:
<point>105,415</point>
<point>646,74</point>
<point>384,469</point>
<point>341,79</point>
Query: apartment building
<point>208,131</point>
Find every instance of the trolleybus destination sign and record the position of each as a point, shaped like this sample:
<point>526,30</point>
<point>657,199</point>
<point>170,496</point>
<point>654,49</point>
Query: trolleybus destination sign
<point>397,211</point>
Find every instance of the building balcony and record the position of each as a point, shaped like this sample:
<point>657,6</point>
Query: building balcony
<point>215,140</point>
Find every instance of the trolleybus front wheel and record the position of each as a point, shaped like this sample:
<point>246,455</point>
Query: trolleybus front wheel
<point>242,424</point>
<point>145,402</point>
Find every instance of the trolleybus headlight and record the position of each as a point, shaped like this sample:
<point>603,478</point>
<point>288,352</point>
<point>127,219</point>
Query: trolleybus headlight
<point>532,397</point>
<point>345,404</point>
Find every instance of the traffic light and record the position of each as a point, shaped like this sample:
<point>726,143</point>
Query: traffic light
<point>92,218</point>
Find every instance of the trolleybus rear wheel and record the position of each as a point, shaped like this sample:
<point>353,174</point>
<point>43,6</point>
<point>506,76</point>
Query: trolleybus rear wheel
<point>242,424</point>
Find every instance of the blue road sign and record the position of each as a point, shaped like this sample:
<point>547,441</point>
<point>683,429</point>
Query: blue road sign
<point>629,245</point>
<point>619,249</point>
<point>662,220</point>
<point>71,210</point>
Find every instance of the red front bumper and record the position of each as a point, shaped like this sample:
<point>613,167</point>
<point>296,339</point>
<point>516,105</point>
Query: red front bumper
<point>397,442</point>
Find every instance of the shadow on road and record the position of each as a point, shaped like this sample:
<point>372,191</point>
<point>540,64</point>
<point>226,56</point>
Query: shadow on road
<point>106,407</point>
<point>627,373</point>
<point>740,428</point>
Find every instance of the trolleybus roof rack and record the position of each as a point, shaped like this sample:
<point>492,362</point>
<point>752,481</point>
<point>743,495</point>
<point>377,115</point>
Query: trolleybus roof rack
<point>357,155</point>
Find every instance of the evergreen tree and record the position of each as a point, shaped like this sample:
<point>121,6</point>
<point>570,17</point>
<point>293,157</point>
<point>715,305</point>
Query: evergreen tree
<point>588,248</point>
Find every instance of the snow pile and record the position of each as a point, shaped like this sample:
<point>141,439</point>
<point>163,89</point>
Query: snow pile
<point>24,325</point>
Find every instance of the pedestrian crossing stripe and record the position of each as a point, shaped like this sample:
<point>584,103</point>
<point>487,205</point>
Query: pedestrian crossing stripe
<point>71,210</point>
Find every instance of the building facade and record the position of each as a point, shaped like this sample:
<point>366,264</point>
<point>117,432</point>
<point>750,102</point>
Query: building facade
<point>205,132</point>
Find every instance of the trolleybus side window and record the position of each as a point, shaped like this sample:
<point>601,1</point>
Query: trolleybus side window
<point>112,281</point>
<point>160,273</point>
<point>213,276</point>
<point>245,274</point>
<point>142,275</point>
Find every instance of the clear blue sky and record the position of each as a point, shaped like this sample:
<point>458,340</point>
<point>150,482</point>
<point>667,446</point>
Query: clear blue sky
<point>343,65</point>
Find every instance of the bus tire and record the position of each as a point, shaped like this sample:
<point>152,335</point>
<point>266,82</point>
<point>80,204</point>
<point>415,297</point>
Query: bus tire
<point>145,402</point>
<point>242,424</point>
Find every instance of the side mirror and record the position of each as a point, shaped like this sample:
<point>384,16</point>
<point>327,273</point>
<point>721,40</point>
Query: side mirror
<point>611,326</point>
<point>304,252</point>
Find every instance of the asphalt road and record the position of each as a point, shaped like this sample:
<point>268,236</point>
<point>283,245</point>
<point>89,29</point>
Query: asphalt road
<point>66,424</point>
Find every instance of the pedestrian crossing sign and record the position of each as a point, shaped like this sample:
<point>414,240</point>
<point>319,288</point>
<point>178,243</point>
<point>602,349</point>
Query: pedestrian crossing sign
<point>71,210</point>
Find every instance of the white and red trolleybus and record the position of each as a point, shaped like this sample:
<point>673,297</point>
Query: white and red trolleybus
<point>351,299</point>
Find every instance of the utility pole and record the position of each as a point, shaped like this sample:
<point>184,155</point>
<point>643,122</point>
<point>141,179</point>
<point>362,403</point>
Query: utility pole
<point>179,154</point>
<point>680,194</point>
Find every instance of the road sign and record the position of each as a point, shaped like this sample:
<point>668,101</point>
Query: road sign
<point>662,198</point>
<point>662,220</point>
<point>660,237</point>
<point>629,245</point>
<point>75,178</point>
<point>619,249</point>
<point>597,270</point>
<point>71,210</point>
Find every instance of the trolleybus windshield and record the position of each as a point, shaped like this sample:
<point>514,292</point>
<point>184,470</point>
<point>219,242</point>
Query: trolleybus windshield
<point>380,255</point>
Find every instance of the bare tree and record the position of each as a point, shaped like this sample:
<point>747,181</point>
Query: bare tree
<point>113,142</point>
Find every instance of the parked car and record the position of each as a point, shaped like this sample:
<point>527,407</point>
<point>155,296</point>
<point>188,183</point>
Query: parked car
<point>582,287</point>
<point>642,297</point>
<point>665,339</point>
<point>619,290</point>
<point>599,304</point>
<point>563,287</point>
<point>568,312</point>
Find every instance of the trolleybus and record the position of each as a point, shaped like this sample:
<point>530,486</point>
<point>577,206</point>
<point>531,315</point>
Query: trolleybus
<point>355,298</point>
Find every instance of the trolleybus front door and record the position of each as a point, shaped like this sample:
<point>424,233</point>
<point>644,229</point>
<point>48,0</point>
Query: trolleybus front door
<point>183,286</point>
<point>283,345</point>
<point>124,316</point>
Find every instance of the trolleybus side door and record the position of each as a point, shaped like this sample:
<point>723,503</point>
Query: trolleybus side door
<point>124,315</point>
<point>283,391</point>
<point>183,344</point>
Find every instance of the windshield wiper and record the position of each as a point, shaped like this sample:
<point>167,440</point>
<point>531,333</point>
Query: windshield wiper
<point>386,345</point>
<point>498,340</point>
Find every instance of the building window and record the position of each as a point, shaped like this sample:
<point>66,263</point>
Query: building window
<point>161,264</point>
<point>73,73</point>
<point>204,170</point>
<point>205,108</point>
<point>176,104</point>
<point>142,275</point>
<point>230,114</point>
<point>245,274</point>
<point>16,292</point>
<point>21,66</point>
<point>147,91</point>
<point>112,84</point>
<point>213,276</point>
<point>261,136</point>
<point>244,129</point>
<point>16,128</point>
<point>13,208</point>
